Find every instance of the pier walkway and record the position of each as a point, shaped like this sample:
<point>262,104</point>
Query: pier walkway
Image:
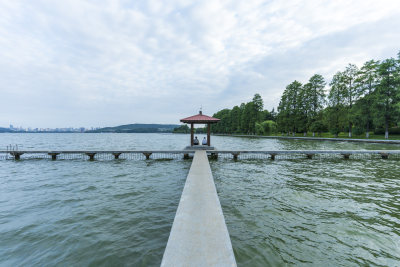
<point>199,236</point>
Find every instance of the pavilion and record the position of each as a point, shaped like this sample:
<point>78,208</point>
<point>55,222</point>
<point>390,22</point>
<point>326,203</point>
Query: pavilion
<point>200,119</point>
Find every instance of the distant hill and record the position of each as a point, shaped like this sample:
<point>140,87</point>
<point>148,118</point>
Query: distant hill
<point>5,130</point>
<point>137,128</point>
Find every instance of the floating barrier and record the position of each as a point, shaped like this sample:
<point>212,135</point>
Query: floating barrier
<point>186,154</point>
<point>96,155</point>
<point>306,154</point>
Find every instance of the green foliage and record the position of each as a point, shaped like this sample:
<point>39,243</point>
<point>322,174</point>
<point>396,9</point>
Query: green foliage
<point>224,125</point>
<point>290,116</point>
<point>386,96</point>
<point>335,118</point>
<point>249,118</point>
<point>393,130</point>
<point>358,99</point>
<point>358,130</point>
<point>258,103</point>
<point>200,130</point>
<point>318,126</point>
<point>269,127</point>
<point>182,129</point>
<point>242,119</point>
<point>315,99</point>
<point>266,128</point>
<point>236,115</point>
<point>259,129</point>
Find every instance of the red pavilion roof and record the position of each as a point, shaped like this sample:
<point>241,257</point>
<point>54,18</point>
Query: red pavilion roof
<point>200,118</point>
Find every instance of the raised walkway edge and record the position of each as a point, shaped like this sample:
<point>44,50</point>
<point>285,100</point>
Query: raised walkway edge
<point>199,236</point>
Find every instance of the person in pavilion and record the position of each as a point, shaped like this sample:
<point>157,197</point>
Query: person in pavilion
<point>196,141</point>
<point>204,142</point>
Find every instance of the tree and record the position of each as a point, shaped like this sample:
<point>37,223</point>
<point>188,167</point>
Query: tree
<point>293,105</point>
<point>362,115</point>
<point>249,118</point>
<point>182,129</point>
<point>266,115</point>
<point>236,115</point>
<point>289,108</point>
<point>269,127</point>
<point>303,109</point>
<point>358,98</point>
<point>258,107</point>
<point>273,114</point>
<point>316,99</point>
<point>242,126</point>
<point>318,126</point>
<point>386,97</point>
<point>351,95</point>
<point>283,115</point>
<point>335,110</point>
<point>365,83</point>
<point>258,102</point>
<point>224,125</point>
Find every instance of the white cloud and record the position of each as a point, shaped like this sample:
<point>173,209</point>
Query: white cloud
<point>125,61</point>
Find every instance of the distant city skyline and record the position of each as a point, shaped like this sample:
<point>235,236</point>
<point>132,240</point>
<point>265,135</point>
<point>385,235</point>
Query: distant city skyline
<point>109,63</point>
<point>48,129</point>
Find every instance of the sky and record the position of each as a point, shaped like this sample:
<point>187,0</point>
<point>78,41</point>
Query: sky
<point>106,63</point>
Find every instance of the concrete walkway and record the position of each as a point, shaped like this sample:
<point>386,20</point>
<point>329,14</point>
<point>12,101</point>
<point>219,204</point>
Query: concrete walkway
<point>199,236</point>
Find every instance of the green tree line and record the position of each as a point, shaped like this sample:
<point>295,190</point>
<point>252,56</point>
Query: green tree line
<point>356,100</point>
<point>248,118</point>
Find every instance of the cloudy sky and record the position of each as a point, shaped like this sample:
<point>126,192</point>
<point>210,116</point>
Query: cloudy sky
<point>106,63</point>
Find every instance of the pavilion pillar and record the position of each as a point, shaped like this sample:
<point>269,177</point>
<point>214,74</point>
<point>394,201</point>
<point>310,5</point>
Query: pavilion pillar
<point>208,134</point>
<point>191,134</point>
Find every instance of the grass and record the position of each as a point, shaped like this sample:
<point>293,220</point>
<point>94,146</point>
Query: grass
<point>346,135</point>
<point>340,135</point>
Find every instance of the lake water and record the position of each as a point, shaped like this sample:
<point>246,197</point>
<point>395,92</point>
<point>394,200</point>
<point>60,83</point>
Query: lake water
<point>329,212</point>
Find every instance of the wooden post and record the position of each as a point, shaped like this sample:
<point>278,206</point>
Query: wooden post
<point>208,134</point>
<point>214,156</point>
<point>384,155</point>
<point>116,155</point>
<point>53,155</point>
<point>147,155</point>
<point>17,156</point>
<point>235,155</point>
<point>346,156</point>
<point>91,155</point>
<point>191,134</point>
<point>273,156</point>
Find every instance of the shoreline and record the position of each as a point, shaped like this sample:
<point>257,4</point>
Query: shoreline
<point>381,141</point>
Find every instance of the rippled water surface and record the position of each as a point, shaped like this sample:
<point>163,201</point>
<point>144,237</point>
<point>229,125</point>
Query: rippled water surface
<point>119,212</point>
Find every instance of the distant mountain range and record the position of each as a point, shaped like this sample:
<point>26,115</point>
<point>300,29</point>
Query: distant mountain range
<point>137,128</point>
